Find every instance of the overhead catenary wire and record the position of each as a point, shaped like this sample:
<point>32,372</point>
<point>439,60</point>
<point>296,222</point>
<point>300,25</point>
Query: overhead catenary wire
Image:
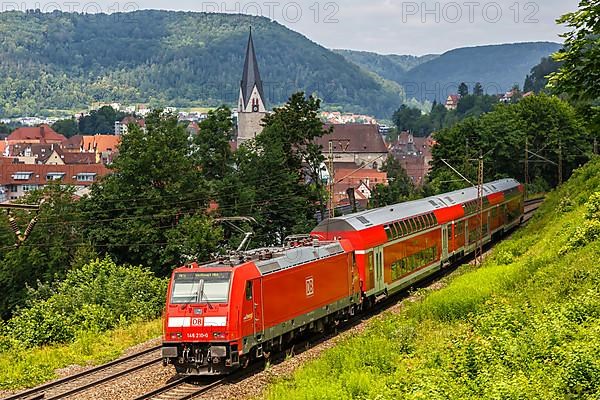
<point>163,198</point>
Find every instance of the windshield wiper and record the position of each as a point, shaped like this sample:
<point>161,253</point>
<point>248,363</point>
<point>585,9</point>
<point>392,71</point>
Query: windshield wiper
<point>201,295</point>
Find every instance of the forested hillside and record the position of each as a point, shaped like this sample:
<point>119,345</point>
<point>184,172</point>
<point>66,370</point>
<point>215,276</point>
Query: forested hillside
<point>391,66</point>
<point>498,68</point>
<point>432,77</point>
<point>67,61</point>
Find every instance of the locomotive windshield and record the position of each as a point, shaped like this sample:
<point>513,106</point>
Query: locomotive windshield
<point>200,287</point>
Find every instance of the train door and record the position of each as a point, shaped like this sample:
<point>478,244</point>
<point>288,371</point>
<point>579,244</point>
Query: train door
<point>379,275</point>
<point>445,242</point>
<point>248,310</point>
<point>252,320</point>
<point>258,309</point>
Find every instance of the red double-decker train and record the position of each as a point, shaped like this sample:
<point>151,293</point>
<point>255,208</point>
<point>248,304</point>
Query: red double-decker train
<point>221,315</point>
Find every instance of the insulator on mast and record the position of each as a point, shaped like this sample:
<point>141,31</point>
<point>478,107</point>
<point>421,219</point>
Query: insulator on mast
<point>13,224</point>
<point>29,229</point>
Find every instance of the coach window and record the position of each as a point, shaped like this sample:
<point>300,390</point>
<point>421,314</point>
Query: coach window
<point>248,290</point>
<point>388,232</point>
<point>419,223</point>
<point>402,228</point>
<point>411,225</point>
<point>393,231</point>
<point>398,229</point>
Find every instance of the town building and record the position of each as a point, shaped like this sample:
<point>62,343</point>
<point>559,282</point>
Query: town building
<point>48,154</point>
<point>42,134</point>
<point>122,127</point>
<point>414,154</point>
<point>361,180</point>
<point>104,148</point>
<point>360,144</point>
<point>452,101</point>
<point>336,117</point>
<point>251,105</point>
<point>18,179</point>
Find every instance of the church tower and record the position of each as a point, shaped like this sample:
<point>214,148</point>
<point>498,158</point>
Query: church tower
<point>251,105</point>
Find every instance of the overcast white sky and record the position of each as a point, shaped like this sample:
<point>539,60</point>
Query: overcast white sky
<point>384,26</point>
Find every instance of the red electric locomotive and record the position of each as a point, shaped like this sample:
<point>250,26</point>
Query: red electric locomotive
<point>222,314</point>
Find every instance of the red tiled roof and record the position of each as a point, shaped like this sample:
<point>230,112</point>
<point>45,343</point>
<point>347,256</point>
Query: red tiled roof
<point>73,143</point>
<point>354,177</point>
<point>79,158</point>
<point>101,143</point>
<point>354,138</point>
<point>107,142</point>
<point>39,172</point>
<point>42,134</point>
<point>130,119</point>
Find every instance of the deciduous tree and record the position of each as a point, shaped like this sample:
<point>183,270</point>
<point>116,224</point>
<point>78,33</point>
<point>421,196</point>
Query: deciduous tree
<point>281,171</point>
<point>579,74</point>
<point>156,186</point>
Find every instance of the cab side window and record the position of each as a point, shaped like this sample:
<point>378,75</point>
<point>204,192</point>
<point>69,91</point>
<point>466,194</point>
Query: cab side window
<point>248,290</point>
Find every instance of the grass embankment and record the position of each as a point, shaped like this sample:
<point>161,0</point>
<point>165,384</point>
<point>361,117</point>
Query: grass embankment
<point>20,368</point>
<point>96,312</point>
<point>525,325</point>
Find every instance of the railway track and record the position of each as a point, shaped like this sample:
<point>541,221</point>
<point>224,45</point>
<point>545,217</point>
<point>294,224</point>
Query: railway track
<point>530,207</point>
<point>187,387</point>
<point>85,380</point>
<point>181,389</point>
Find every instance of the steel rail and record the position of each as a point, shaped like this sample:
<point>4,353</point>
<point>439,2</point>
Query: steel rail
<point>30,393</point>
<point>168,391</point>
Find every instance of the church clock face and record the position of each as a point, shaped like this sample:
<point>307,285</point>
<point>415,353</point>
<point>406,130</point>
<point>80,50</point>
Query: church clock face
<point>255,108</point>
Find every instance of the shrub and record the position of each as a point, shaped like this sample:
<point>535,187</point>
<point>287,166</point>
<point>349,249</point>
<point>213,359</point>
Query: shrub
<point>565,205</point>
<point>95,298</point>
<point>593,207</point>
<point>589,231</point>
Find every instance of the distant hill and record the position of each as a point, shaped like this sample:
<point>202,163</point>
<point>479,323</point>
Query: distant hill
<point>68,61</point>
<point>392,66</point>
<point>497,67</point>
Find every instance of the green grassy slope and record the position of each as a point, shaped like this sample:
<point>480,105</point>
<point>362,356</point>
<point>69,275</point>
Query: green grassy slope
<point>28,367</point>
<point>526,325</point>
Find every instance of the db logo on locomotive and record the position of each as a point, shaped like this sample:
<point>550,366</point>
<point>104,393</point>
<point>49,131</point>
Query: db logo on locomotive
<point>310,286</point>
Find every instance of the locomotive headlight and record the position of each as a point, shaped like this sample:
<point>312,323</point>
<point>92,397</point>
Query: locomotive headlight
<point>219,335</point>
<point>175,335</point>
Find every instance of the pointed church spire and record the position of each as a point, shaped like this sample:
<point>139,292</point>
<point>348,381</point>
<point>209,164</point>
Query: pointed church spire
<point>251,75</point>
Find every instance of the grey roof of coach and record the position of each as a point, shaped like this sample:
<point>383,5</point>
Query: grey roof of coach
<point>396,212</point>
